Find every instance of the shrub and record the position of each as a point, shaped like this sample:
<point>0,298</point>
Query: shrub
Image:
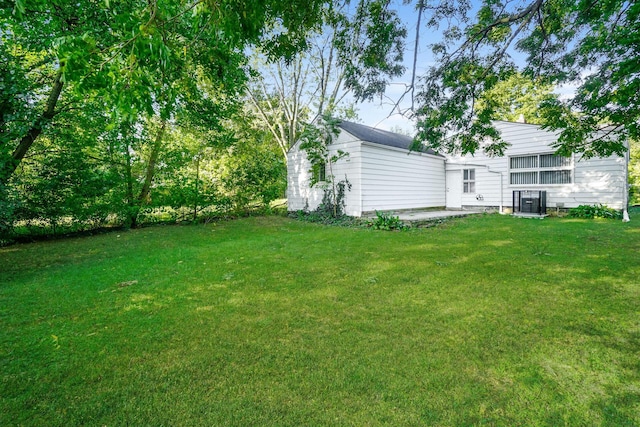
<point>386,221</point>
<point>595,211</point>
<point>331,209</point>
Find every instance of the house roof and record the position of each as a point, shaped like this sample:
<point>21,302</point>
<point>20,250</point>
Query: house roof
<point>379,136</point>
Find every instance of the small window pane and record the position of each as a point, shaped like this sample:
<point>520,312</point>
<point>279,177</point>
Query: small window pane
<point>524,178</point>
<point>524,162</point>
<point>322,172</point>
<point>553,161</point>
<point>555,177</point>
<point>468,178</point>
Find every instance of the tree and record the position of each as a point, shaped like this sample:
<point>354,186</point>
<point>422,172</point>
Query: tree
<point>517,97</point>
<point>67,178</point>
<point>237,169</point>
<point>350,57</point>
<point>129,52</point>
<point>634,172</point>
<point>587,43</point>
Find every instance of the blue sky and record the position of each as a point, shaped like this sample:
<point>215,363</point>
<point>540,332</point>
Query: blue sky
<point>379,113</point>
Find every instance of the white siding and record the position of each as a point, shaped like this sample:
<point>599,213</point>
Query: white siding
<point>299,193</point>
<point>598,180</point>
<point>487,188</point>
<point>396,179</point>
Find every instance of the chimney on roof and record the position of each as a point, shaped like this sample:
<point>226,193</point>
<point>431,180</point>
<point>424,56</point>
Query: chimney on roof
<point>521,119</point>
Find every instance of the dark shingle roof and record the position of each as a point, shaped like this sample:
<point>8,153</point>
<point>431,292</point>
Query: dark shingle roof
<point>378,136</point>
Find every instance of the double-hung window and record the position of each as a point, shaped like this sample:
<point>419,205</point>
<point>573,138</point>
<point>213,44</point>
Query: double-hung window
<point>540,169</point>
<point>468,180</point>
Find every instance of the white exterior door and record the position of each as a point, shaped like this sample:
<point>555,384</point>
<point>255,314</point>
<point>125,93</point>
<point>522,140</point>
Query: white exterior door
<point>454,189</point>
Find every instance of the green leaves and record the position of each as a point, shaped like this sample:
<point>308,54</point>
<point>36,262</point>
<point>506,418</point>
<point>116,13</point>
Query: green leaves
<point>134,54</point>
<point>594,48</point>
<point>371,48</point>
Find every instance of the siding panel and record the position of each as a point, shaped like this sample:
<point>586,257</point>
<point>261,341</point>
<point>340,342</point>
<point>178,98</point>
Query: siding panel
<point>394,179</point>
<point>598,180</point>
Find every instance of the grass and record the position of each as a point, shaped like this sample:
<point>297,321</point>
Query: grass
<point>488,320</point>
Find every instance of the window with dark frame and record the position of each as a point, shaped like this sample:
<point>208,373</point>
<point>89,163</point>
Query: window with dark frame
<point>320,170</point>
<point>468,180</point>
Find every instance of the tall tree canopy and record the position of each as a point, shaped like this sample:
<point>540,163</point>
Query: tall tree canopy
<point>517,98</point>
<point>593,45</point>
<point>350,57</point>
<point>131,54</point>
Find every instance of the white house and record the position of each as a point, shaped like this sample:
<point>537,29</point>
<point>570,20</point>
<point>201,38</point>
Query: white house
<point>385,175</point>
<point>529,165</point>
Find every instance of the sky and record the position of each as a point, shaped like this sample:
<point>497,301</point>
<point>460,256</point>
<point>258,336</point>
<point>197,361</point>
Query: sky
<point>379,113</point>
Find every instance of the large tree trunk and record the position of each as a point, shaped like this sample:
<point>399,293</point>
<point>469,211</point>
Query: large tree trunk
<point>32,134</point>
<point>151,166</point>
<point>132,207</point>
<point>143,197</point>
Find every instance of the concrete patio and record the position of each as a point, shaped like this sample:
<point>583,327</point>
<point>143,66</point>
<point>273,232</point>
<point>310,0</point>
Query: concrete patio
<point>419,217</point>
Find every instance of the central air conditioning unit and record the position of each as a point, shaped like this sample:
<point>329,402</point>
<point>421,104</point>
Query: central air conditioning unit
<point>531,202</point>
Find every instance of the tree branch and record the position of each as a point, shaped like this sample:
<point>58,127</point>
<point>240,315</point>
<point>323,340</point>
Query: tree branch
<point>36,129</point>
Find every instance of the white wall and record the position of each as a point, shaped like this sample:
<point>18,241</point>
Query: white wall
<point>393,179</point>
<point>487,192</point>
<point>299,193</point>
<point>381,178</point>
<point>597,180</point>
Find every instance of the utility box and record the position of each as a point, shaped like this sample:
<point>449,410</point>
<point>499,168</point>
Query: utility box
<point>531,202</point>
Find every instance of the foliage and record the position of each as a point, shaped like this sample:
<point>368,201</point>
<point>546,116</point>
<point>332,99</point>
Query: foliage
<point>269,321</point>
<point>90,173</point>
<point>316,142</point>
<point>595,211</point>
<point>333,203</point>
<point>369,47</point>
<point>634,171</point>
<point>386,221</point>
<point>7,215</point>
<point>517,97</point>
<point>331,210</point>
<point>102,123</point>
<point>351,54</point>
<point>251,171</point>
<point>590,45</point>
<point>324,217</point>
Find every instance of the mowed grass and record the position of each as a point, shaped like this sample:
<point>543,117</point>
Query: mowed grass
<point>487,320</point>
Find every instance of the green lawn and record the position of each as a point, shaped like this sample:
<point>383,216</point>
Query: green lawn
<point>489,320</point>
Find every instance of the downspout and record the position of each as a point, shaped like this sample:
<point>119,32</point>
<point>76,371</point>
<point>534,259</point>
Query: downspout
<point>501,210</point>
<point>625,206</point>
